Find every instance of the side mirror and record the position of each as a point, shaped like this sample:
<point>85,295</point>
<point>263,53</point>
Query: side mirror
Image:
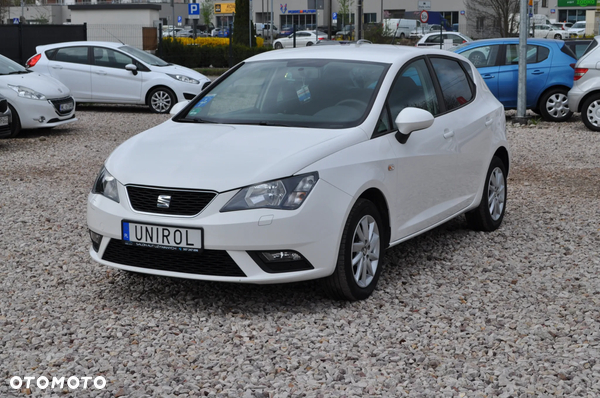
<point>178,107</point>
<point>206,84</point>
<point>412,119</point>
<point>132,68</point>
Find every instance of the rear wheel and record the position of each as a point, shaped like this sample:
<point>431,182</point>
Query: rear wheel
<point>310,43</point>
<point>554,105</point>
<point>15,126</point>
<point>161,100</point>
<point>490,212</point>
<point>590,113</point>
<point>360,255</point>
<point>557,36</point>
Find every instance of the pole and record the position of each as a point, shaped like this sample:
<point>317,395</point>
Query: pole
<point>250,23</point>
<point>360,20</point>
<point>522,81</point>
<point>272,22</point>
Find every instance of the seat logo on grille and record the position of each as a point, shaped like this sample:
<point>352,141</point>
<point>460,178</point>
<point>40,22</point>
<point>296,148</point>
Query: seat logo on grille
<point>164,201</point>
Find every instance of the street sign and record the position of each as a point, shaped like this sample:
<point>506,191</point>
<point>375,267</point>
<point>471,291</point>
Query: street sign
<point>194,10</point>
<point>424,16</point>
<point>424,5</point>
<point>334,15</point>
<point>179,19</point>
<point>15,21</point>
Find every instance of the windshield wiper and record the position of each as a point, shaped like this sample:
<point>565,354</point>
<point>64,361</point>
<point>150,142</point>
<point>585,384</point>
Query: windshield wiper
<point>18,72</point>
<point>195,120</point>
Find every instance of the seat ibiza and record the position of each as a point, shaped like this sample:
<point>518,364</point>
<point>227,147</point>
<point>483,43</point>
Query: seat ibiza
<point>305,164</point>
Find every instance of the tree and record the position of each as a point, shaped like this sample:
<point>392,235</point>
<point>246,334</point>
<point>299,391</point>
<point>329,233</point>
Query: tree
<point>207,10</point>
<point>492,18</point>
<point>241,24</point>
<point>344,7</point>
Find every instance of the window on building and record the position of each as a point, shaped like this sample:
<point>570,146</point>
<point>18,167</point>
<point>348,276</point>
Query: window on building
<point>370,17</point>
<point>480,23</point>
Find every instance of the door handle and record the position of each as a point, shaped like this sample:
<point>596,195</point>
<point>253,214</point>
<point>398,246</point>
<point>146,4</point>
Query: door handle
<point>488,76</point>
<point>537,72</point>
<point>489,122</point>
<point>57,67</point>
<point>100,72</point>
<point>448,134</point>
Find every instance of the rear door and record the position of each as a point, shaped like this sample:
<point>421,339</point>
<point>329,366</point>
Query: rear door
<point>71,66</point>
<point>538,66</point>
<point>111,82</point>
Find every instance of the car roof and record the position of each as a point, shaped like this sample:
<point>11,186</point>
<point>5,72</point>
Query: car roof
<point>512,40</point>
<point>384,53</point>
<point>110,44</point>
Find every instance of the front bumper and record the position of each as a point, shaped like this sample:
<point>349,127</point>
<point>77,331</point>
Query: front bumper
<point>231,239</point>
<point>35,114</point>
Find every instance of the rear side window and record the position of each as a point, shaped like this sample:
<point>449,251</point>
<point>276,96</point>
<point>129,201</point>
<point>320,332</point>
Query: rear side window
<point>76,55</point>
<point>535,54</point>
<point>592,45</point>
<point>454,83</point>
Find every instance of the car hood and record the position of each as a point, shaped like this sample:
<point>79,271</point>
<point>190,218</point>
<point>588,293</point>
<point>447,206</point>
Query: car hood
<point>46,85</point>
<point>178,69</point>
<point>222,157</point>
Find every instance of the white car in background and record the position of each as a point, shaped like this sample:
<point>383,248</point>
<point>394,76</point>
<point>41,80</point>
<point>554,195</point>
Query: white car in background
<point>577,30</point>
<point>305,164</point>
<point>549,32</point>
<point>434,39</point>
<point>115,73</point>
<point>35,100</point>
<point>304,38</point>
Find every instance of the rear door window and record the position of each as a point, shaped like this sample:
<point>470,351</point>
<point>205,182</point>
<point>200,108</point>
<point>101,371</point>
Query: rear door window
<point>455,84</point>
<point>77,55</point>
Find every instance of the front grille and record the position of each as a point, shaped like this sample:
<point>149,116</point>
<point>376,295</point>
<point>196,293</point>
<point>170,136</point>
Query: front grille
<point>182,203</point>
<point>206,262</point>
<point>58,102</point>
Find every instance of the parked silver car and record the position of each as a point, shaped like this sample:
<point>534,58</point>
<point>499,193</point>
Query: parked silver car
<point>584,96</point>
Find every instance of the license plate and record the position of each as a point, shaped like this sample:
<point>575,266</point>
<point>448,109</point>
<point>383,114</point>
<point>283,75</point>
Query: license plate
<point>162,237</point>
<point>66,107</point>
<point>3,120</point>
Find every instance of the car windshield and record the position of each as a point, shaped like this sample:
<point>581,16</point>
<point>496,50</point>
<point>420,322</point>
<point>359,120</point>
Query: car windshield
<point>294,93</point>
<point>144,56</point>
<point>9,67</point>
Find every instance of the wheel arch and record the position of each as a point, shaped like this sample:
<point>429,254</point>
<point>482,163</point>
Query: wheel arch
<point>378,199</point>
<point>147,95</point>
<point>585,98</point>
<point>502,153</point>
<point>543,93</point>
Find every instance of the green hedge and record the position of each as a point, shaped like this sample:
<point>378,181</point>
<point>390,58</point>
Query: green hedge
<point>194,56</point>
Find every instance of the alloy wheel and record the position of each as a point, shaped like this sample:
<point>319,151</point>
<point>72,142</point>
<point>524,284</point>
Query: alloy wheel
<point>366,248</point>
<point>496,193</point>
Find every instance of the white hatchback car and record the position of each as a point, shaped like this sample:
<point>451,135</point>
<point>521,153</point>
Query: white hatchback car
<point>435,39</point>
<point>305,164</point>
<point>106,72</point>
<point>35,100</point>
<point>303,38</point>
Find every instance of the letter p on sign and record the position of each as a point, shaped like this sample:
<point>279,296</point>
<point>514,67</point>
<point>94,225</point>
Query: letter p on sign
<point>193,9</point>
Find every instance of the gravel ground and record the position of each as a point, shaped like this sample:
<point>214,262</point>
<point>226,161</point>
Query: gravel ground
<point>458,313</point>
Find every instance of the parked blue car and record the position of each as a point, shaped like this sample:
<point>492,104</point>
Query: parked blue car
<point>550,69</point>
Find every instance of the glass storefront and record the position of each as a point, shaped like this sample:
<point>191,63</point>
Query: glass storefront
<point>571,15</point>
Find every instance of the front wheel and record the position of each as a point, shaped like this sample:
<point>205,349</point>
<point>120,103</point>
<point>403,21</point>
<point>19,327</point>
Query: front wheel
<point>310,43</point>
<point>360,255</point>
<point>490,212</point>
<point>161,100</point>
<point>590,113</point>
<point>554,105</point>
<point>278,46</point>
<point>557,36</point>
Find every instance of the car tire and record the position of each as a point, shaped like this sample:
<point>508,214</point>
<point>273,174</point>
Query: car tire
<point>590,112</point>
<point>554,105</point>
<point>489,214</point>
<point>351,281</point>
<point>557,36</point>
<point>278,46</point>
<point>161,100</point>
<point>402,36</point>
<point>15,125</point>
<point>310,43</point>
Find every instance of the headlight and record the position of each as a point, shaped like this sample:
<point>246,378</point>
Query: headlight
<point>106,185</point>
<point>286,194</point>
<point>26,92</point>
<point>183,78</point>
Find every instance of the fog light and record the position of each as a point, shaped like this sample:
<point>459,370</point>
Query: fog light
<point>96,239</point>
<point>281,256</point>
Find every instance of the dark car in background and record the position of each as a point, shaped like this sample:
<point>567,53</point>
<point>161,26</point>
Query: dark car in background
<point>550,70</point>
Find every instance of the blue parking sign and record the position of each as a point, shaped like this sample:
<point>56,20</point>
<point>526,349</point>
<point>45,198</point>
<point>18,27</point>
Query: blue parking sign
<point>193,9</point>
<point>334,15</point>
<point>15,21</point>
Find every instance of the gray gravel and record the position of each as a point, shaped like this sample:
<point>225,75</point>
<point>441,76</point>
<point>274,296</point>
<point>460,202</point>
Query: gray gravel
<point>457,314</point>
